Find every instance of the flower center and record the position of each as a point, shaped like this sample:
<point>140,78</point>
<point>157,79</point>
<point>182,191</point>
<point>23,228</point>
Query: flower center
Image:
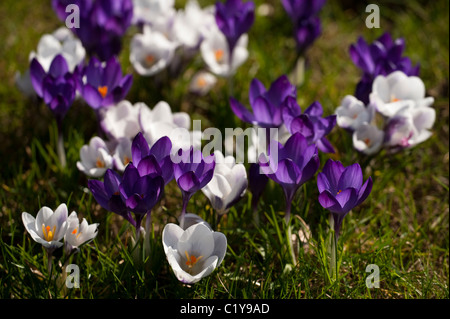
<point>149,60</point>
<point>201,82</point>
<point>76,231</point>
<point>103,90</point>
<point>219,55</point>
<point>48,234</point>
<point>99,163</point>
<point>191,260</point>
<point>126,160</point>
<point>340,191</point>
<point>394,99</point>
<point>367,141</point>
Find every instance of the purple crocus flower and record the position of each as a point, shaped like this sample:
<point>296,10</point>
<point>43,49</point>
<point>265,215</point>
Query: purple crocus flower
<point>102,84</point>
<point>192,173</point>
<point>266,104</point>
<point>155,159</point>
<point>102,24</point>
<point>310,124</point>
<point>107,194</point>
<point>307,26</point>
<point>57,87</point>
<point>341,189</point>
<point>234,18</point>
<point>382,57</point>
<point>295,163</point>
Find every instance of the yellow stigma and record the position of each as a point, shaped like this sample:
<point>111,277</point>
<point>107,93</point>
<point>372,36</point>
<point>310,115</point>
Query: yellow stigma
<point>48,234</point>
<point>191,260</point>
<point>99,163</point>
<point>103,90</point>
<point>75,231</point>
<point>219,55</point>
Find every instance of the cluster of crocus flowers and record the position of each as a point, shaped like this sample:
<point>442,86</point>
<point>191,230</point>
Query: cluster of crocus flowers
<point>102,24</point>
<point>405,120</point>
<point>381,57</point>
<point>52,229</point>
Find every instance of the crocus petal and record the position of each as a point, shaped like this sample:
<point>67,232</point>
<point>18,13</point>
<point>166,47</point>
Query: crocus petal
<point>241,112</point>
<point>351,177</point>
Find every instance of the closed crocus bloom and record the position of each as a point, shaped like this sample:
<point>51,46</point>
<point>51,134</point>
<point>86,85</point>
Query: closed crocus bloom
<point>352,113</point>
<point>151,52</point>
<point>102,84</point>
<point>397,91</point>
<point>57,87</point>
<point>193,253</point>
<point>266,104</point>
<point>78,233</point>
<point>95,158</point>
<point>341,189</point>
<point>368,139</point>
<point>48,228</point>
<point>234,18</point>
<point>227,185</point>
<point>295,163</point>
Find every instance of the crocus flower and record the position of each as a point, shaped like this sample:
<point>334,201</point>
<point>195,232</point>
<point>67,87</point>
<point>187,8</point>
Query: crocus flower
<point>202,82</point>
<point>397,91</point>
<point>382,57</point>
<point>216,53</point>
<point>151,11</point>
<point>234,18</point>
<point>102,24</point>
<point>102,84</point>
<point>77,233</point>
<point>295,163</point>
<point>310,124</point>
<point>227,185</point>
<point>57,87</point>
<point>107,194</point>
<point>192,172</point>
<point>155,159</point>
<point>121,120</point>
<point>266,104</point>
<point>48,228</point>
<point>368,139</point>
<point>95,158</point>
<point>193,253</point>
<point>151,51</point>
<point>307,26</point>
<point>341,189</point>
<point>352,113</point>
<point>122,154</point>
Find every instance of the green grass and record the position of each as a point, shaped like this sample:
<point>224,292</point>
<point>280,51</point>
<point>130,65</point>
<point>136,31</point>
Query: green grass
<point>403,227</point>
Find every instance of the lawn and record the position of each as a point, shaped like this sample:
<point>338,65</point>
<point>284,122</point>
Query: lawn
<point>402,227</point>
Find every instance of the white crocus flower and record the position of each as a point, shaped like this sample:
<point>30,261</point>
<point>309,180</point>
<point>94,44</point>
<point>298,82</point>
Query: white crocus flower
<point>78,233</point>
<point>215,53</point>
<point>151,52</point>
<point>122,154</point>
<point>202,82</point>
<point>368,139</point>
<point>352,113</point>
<point>151,11</point>
<point>121,120</point>
<point>48,228</point>
<point>193,253</point>
<point>161,122</point>
<point>228,184</point>
<point>95,158</point>
<point>397,91</point>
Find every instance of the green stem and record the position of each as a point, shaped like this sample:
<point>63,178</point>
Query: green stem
<point>333,239</point>
<point>60,144</point>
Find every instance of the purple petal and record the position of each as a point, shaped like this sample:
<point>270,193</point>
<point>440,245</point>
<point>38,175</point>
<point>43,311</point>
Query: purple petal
<point>303,125</point>
<point>262,111</point>
<point>329,202</point>
<point>97,189</point>
<point>139,148</point>
<point>364,191</point>
<point>112,181</point>
<point>37,75</point>
<point>325,146</point>
<point>351,177</point>
<point>188,182</point>
<point>130,176</point>
<point>333,171</point>
<point>347,199</point>
<point>149,166</point>
<point>161,148</point>
<point>58,67</point>
<point>256,89</point>
<point>92,96</point>
<point>241,112</point>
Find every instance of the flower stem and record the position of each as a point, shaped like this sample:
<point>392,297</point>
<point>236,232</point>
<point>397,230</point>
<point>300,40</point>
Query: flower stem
<point>186,198</point>
<point>60,144</point>
<point>49,261</point>
<point>333,239</point>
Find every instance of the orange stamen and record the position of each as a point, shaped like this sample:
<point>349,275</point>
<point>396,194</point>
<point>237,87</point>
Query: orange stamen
<point>219,55</point>
<point>103,90</point>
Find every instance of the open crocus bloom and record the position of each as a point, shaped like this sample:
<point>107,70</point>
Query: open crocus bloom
<point>216,54</point>
<point>397,91</point>
<point>151,52</point>
<point>228,184</point>
<point>121,120</point>
<point>352,113</point>
<point>78,233</point>
<point>368,139</point>
<point>95,158</point>
<point>48,228</point>
<point>193,253</point>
